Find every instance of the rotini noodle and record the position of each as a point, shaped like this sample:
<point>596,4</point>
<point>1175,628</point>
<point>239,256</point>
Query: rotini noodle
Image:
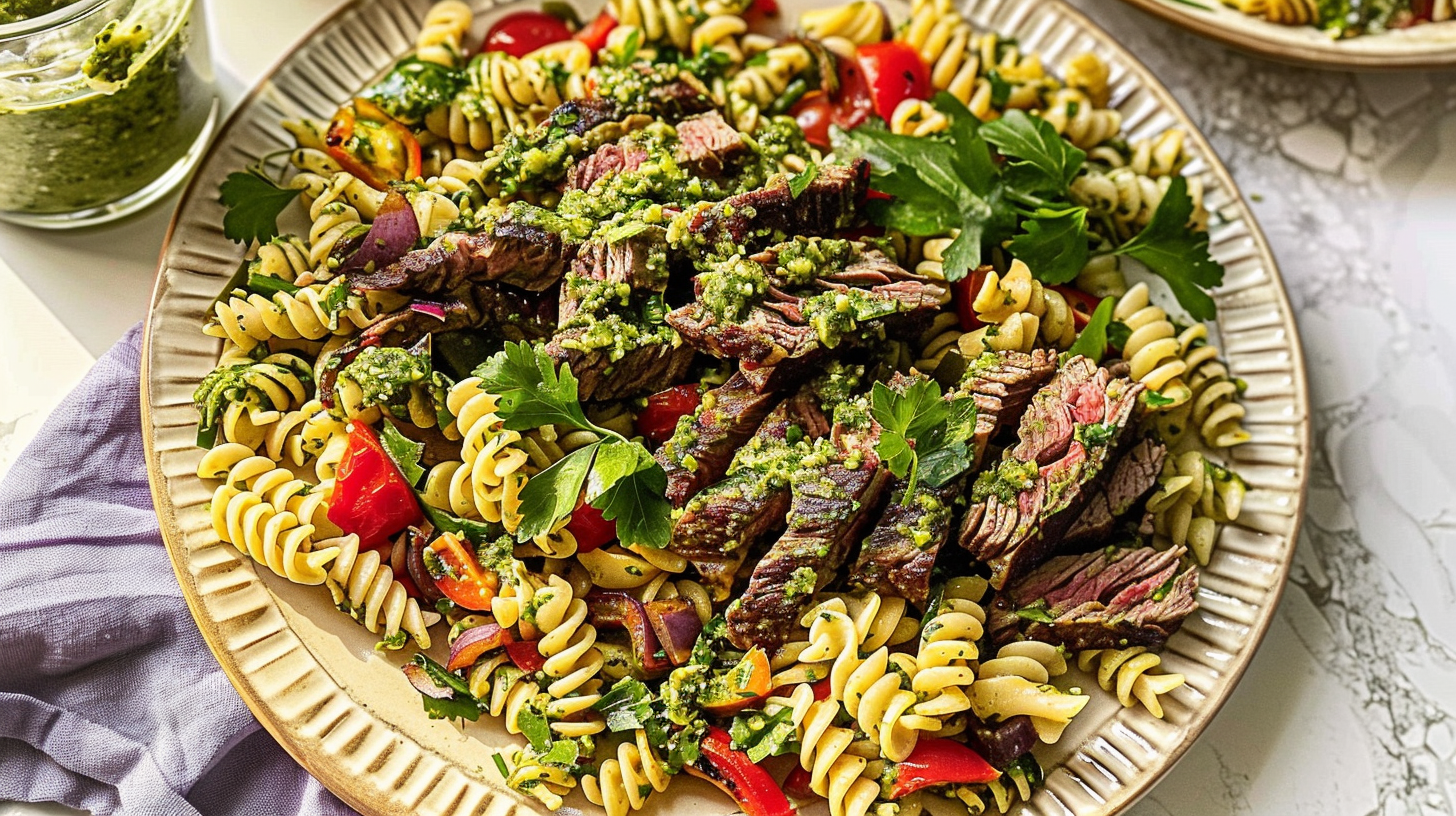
<point>1194,497</point>
<point>365,588</point>
<point>1130,673</point>
<point>1017,681</point>
<point>623,783</point>
<point>442,34</point>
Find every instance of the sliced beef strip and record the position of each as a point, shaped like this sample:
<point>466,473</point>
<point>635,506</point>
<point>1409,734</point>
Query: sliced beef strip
<point>1134,475</point>
<point>1013,534</point>
<point>730,415</point>
<point>638,261</point>
<point>1002,383</point>
<point>827,205</point>
<point>710,146</point>
<point>1109,599</point>
<point>610,158</point>
<point>524,256</point>
<point>644,368</point>
<point>720,526</point>
<point>831,506</point>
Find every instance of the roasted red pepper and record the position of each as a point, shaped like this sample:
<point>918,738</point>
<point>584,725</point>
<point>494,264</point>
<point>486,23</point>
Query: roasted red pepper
<point>371,497</point>
<point>589,528</point>
<point>750,786</point>
<point>940,762</point>
<point>659,419</point>
<point>963,293</point>
<point>458,574</point>
<point>1083,304</point>
<point>743,685</point>
<point>594,35</point>
<point>372,145</point>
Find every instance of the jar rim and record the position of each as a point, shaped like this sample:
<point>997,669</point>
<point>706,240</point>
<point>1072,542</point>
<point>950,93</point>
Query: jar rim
<point>51,20</point>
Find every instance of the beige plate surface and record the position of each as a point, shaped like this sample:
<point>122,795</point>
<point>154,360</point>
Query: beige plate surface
<point>1431,45</point>
<point>345,712</point>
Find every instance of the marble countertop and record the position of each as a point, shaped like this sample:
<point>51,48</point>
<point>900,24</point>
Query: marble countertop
<point>1350,705</point>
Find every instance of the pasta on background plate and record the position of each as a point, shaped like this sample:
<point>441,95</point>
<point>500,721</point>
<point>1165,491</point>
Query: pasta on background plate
<point>830,416</point>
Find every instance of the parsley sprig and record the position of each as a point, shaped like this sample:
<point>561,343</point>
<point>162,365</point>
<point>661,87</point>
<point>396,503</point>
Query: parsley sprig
<point>254,201</point>
<point>1007,184</point>
<point>923,436</point>
<point>619,476</point>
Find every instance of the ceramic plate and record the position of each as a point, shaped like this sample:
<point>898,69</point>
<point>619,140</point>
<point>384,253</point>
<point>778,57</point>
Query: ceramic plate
<point>345,711</point>
<point>1431,45</point>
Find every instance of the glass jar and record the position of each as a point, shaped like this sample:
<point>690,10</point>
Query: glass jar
<point>103,107</point>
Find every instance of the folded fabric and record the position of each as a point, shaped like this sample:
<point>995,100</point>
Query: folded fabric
<point>109,699</point>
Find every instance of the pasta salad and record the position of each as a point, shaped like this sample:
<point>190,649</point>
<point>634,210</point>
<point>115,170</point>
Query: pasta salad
<point>687,397</point>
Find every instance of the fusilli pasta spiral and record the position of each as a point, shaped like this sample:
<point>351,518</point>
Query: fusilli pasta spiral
<point>1016,682</point>
<point>365,588</point>
<point>624,783</point>
<point>1194,497</point>
<point>1019,313</point>
<point>442,34</point>
<point>1130,673</point>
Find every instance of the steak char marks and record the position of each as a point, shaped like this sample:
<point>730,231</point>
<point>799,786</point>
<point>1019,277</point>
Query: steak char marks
<point>700,452</point>
<point>900,552</point>
<point>1109,599</point>
<point>827,205</point>
<point>832,504</point>
<point>1021,509</point>
<point>524,256</point>
<point>721,524</point>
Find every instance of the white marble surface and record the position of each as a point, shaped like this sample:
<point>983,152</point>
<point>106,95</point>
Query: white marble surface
<point>1350,705</point>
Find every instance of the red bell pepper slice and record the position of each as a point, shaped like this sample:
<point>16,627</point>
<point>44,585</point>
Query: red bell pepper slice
<point>756,793</point>
<point>963,293</point>
<point>595,33</point>
<point>1083,304</point>
<point>659,419</point>
<point>526,654</point>
<point>458,574</point>
<point>940,762</point>
<point>589,528</point>
<point>372,145</point>
<point>371,497</point>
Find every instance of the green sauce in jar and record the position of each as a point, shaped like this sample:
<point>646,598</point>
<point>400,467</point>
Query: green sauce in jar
<point>105,105</point>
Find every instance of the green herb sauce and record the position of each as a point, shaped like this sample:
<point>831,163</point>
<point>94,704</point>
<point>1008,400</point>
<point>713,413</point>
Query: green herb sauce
<point>131,111</point>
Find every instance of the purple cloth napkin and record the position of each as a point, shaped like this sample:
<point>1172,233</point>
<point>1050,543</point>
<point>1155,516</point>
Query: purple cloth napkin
<point>109,699</point>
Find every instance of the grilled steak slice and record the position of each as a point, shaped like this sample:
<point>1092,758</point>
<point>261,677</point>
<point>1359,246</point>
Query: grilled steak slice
<point>1135,473</point>
<point>1000,743</point>
<point>520,255</point>
<point>900,552</point>
<point>1002,383</point>
<point>639,261</point>
<point>710,145</point>
<point>608,159</point>
<point>1021,509</point>
<point>699,453</point>
<point>720,525</point>
<point>1108,599</point>
<point>827,205</point>
<point>646,366</point>
<point>832,504</point>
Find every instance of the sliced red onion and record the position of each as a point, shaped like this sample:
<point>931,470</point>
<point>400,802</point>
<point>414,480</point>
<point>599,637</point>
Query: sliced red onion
<point>474,642</point>
<point>677,626</point>
<point>414,560</point>
<point>428,307</point>
<point>420,679</point>
<point>615,609</point>
<point>394,232</point>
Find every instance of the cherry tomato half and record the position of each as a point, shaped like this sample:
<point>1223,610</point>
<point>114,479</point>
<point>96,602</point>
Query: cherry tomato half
<point>847,107</point>
<point>595,34</point>
<point>459,575</point>
<point>659,419</point>
<point>521,33</point>
<point>893,72</point>
<point>589,528</point>
<point>372,145</point>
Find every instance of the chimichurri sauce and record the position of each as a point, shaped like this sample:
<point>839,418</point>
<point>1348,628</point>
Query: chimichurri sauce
<point>120,127</point>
